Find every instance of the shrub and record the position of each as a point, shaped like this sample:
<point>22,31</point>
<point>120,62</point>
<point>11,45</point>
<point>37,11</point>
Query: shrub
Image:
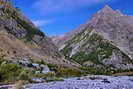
<point>1,60</point>
<point>24,75</point>
<point>66,51</point>
<point>53,67</point>
<point>8,72</point>
<point>67,72</point>
<point>19,84</point>
<point>81,57</point>
<point>49,75</point>
<point>54,79</point>
<point>30,65</point>
<point>45,76</point>
<point>41,62</point>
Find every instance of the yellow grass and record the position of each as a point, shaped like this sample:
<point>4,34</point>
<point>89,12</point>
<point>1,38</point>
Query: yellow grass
<point>123,74</point>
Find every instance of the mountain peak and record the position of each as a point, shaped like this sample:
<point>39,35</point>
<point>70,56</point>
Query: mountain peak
<point>103,14</point>
<point>106,9</point>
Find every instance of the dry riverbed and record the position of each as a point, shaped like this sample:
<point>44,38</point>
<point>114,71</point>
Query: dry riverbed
<point>88,82</point>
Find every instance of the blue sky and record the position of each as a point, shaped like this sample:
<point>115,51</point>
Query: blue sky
<point>55,17</point>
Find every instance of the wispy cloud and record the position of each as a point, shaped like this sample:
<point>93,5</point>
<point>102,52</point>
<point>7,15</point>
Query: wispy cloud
<point>50,6</point>
<point>40,23</point>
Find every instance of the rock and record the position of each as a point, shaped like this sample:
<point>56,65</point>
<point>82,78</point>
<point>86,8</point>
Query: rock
<point>88,63</point>
<point>38,80</point>
<point>24,61</point>
<point>41,68</point>
<point>105,81</point>
<point>5,86</point>
<point>35,65</point>
<point>45,69</point>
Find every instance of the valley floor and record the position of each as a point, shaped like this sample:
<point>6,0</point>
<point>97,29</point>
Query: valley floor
<point>88,82</point>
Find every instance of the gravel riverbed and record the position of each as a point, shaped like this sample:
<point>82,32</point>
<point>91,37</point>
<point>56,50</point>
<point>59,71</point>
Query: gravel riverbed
<point>88,82</point>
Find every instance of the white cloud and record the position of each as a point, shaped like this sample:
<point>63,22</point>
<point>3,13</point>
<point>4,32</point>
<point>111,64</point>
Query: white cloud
<point>40,23</point>
<point>60,5</point>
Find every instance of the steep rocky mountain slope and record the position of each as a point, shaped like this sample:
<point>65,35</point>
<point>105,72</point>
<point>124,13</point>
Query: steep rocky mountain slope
<point>106,40</point>
<point>20,39</point>
<point>59,40</point>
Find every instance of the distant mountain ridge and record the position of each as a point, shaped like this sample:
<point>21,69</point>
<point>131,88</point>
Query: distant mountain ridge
<point>59,40</point>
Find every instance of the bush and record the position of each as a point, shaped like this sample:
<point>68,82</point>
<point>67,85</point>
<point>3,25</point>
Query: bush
<point>53,67</point>
<point>82,57</point>
<point>45,76</point>
<point>24,75</point>
<point>8,72</point>
<point>1,60</point>
<point>54,79</point>
<point>66,51</point>
<point>67,72</point>
<point>49,75</point>
<point>41,62</point>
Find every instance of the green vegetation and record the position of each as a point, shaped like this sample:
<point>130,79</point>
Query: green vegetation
<point>80,36</point>
<point>9,72</point>
<point>66,51</point>
<point>82,57</point>
<point>106,70</point>
<point>103,47</point>
<point>31,31</point>
<point>99,49</point>
<point>25,75</point>
<point>53,67</point>
<point>98,71</point>
<point>41,62</point>
<point>102,51</point>
<point>67,72</point>
<point>54,79</point>
<point>61,71</point>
